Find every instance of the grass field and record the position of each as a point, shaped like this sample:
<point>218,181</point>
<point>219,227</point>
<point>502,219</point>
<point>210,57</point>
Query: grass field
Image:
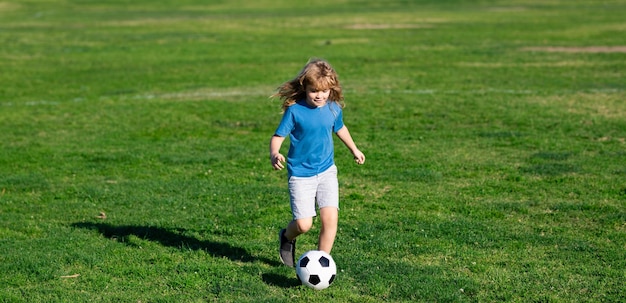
<point>134,162</point>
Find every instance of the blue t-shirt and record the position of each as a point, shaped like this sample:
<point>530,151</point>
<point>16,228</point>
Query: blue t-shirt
<point>310,131</point>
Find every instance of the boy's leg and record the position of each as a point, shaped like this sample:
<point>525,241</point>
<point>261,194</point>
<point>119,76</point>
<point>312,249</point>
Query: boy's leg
<point>328,202</point>
<point>302,191</point>
<point>328,231</point>
<point>288,236</point>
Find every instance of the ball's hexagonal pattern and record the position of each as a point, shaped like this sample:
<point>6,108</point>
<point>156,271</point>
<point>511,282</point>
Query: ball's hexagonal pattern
<point>314,279</point>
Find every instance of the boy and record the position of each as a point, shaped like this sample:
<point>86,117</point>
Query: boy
<point>312,105</point>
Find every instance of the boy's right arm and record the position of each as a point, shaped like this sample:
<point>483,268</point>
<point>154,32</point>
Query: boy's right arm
<point>275,156</point>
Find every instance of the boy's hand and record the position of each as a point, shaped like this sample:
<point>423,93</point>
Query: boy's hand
<point>277,161</point>
<point>359,157</point>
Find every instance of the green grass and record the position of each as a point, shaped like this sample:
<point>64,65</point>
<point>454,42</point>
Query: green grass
<point>495,170</point>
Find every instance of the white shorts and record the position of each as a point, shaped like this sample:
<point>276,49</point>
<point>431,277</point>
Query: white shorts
<point>304,192</point>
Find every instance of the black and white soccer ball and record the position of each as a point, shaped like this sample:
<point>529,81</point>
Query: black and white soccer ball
<point>316,269</point>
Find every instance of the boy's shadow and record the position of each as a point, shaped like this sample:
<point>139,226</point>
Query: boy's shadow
<point>173,238</point>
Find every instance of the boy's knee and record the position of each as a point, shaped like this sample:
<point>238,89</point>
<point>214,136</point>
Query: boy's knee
<point>304,225</point>
<point>329,214</point>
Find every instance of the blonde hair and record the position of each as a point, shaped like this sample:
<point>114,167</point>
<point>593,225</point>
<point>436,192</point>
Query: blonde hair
<point>316,73</point>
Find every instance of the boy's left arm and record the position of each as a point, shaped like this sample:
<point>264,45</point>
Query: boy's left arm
<point>346,138</point>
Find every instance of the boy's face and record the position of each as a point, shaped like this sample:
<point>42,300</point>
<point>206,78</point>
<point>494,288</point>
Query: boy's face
<point>315,97</point>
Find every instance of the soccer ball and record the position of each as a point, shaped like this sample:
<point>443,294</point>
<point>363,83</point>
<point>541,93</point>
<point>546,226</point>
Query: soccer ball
<point>316,269</point>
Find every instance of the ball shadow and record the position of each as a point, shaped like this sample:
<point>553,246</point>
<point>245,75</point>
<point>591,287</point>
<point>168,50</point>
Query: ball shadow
<point>280,280</point>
